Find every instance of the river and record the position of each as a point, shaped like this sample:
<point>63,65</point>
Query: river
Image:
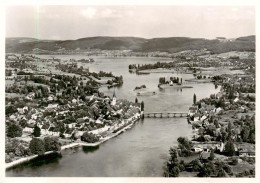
<point>142,150</point>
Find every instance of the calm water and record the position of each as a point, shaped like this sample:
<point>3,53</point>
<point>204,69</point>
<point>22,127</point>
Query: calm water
<point>140,151</point>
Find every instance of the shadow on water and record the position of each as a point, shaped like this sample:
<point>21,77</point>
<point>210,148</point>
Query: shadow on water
<point>40,160</point>
<point>89,149</point>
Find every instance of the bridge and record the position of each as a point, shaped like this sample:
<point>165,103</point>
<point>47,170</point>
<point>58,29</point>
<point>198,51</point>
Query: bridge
<point>165,114</point>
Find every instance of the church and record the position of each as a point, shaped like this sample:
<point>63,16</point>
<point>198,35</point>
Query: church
<point>114,99</point>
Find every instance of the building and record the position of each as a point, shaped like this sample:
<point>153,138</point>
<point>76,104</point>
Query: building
<point>193,110</point>
<point>114,99</point>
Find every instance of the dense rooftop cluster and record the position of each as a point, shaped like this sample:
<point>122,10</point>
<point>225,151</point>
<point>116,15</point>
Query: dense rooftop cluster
<point>61,105</point>
<point>224,143</point>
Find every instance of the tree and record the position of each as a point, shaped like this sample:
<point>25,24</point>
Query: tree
<point>252,137</point>
<point>185,145</point>
<point>221,173</point>
<point>207,170</point>
<point>51,144</point>
<point>185,142</point>
<point>142,106</point>
<point>229,148</point>
<point>175,172</point>
<point>36,131</point>
<point>10,110</point>
<point>173,154</point>
<point>234,161</point>
<point>162,80</point>
<point>37,146</point>
<point>245,133</point>
<point>194,98</point>
<point>14,131</point>
<point>89,137</point>
<point>196,165</point>
<point>212,156</point>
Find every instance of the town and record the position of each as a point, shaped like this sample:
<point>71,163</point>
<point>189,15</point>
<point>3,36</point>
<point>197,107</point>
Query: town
<point>52,105</point>
<point>224,144</point>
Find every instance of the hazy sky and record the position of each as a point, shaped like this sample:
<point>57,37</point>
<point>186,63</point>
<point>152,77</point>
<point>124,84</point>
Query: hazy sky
<point>73,22</point>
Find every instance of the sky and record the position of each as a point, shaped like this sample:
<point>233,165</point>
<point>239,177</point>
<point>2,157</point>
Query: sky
<point>74,22</point>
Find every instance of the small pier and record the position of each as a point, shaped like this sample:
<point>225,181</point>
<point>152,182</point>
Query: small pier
<point>165,114</point>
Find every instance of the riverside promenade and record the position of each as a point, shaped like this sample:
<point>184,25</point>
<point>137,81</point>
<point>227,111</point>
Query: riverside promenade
<point>68,146</point>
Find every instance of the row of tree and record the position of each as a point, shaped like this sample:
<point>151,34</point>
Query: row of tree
<point>39,146</point>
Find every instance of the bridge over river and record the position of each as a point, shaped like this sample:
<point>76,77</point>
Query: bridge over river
<point>165,114</point>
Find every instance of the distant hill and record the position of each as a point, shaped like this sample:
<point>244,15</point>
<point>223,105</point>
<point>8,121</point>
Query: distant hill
<point>246,38</point>
<point>170,44</point>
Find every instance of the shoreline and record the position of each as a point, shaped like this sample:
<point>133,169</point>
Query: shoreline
<point>174,86</point>
<point>72,145</point>
<point>163,70</point>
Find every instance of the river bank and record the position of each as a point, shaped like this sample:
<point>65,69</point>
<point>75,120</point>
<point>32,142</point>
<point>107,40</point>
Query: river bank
<point>164,86</point>
<point>199,80</point>
<point>72,145</point>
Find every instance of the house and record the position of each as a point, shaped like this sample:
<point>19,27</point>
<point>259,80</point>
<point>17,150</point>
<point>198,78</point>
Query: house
<point>193,110</point>
<point>209,108</point>
<point>80,120</point>
<point>219,95</point>
<point>246,154</point>
<point>34,116</point>
<point>98,121</point>
<point>31,121</point>
<point>196,149</point>
<point>30,96</point>
<point>204,156</point>
<point>236,99</point>
<point>217,110</point>
<point>68,132</point>
<point>28,128</point>
<point>44,129</point>
<point>52,106</point>
<point>51,98</point>
<point>72,125</point>
<point>246,150</point>
<point>196,117</point>
<point>54,131</point>
<point>203,118</point>
<point>12,117</point>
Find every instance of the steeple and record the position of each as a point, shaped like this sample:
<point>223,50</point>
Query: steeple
<point>114,94</point>
<point>114,98</point>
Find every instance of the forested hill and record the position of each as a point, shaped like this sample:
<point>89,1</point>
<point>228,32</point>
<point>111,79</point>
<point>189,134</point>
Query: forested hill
<point>170,44</point>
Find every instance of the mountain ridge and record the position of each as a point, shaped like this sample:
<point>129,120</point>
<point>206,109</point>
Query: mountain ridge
<point>166,44</point>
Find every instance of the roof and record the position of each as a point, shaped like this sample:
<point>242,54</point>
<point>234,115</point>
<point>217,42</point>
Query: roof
<point>69,131</point>
<point>53,129</point>
<point>45,126</point>
<point>80,120</point>
<point>196,115</point>
<point>29,125</point>
<point>193,108</point>
<point>205,155</point>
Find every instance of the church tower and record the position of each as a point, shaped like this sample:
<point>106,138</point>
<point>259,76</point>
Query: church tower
<point>114,98</point>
